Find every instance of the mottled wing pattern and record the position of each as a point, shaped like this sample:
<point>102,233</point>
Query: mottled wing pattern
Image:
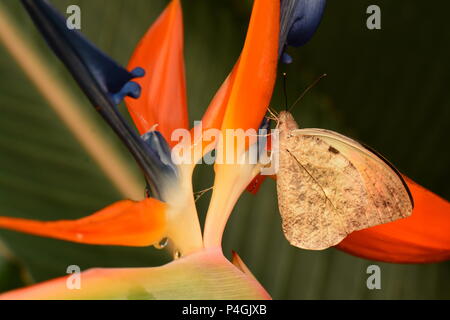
<point>329,185</point>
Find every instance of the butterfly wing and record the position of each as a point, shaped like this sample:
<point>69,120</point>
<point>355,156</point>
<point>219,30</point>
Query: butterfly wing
<point>329,185</point>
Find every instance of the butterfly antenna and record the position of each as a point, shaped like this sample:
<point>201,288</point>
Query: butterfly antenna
<point>285,91</point>
<point>273,114</point>
<point>312,85</point>
<point>199,194</point>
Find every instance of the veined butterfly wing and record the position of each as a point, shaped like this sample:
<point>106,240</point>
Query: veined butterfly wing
<point>329,185</point>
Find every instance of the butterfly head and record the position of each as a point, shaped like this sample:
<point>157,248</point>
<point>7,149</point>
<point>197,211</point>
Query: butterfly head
<point>286,121</point>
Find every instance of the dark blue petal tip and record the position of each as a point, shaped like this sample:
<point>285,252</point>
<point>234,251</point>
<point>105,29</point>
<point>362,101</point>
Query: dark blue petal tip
<point>138,72</point>
<point>130,89</point>
<point>285,58</point>
<point>158,146</point>
<point>299,21</point>
<point>263,133</point>
<point>104,82</point>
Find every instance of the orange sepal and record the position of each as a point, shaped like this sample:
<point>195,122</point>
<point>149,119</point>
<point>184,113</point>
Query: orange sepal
<point>124,223</point>
<point>163,99</point>
<point>255,184</point>
<point>256,71</point>
<point>421,238</point>
<point>213,116</point>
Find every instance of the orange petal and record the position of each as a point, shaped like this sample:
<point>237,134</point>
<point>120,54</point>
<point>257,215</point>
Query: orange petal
<point>256,183</point>
<point>254,186</point>
<point>250,94</point>
<point>124,223</point>
<point>163,99</point>
<point>256,72</point>
<point>422,237</point>
<point>213,117</point>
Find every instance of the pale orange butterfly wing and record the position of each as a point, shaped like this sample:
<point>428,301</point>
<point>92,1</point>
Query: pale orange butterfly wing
<point>329,185</point>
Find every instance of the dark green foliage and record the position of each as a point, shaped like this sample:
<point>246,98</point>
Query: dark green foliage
<point>388,88</point>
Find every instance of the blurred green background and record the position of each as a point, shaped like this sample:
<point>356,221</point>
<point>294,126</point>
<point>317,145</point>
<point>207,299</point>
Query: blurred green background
<point>388,88</point>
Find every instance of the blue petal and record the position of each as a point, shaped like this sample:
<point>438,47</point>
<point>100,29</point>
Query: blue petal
<point>285,58</point>
<point>307,17</point>
<point>299,21</point>
<point>103,81</point>
<point>78,53</point>
<point>262,135</point>
<point>155,141</point>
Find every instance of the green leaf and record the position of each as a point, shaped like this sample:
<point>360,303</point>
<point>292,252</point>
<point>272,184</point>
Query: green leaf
<point>10,275</point>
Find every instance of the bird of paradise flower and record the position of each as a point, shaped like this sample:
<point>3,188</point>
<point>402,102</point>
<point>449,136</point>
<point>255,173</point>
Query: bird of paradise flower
<point>158,96</point>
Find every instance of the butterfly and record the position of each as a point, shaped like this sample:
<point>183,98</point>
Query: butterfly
<point>329,185</point>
